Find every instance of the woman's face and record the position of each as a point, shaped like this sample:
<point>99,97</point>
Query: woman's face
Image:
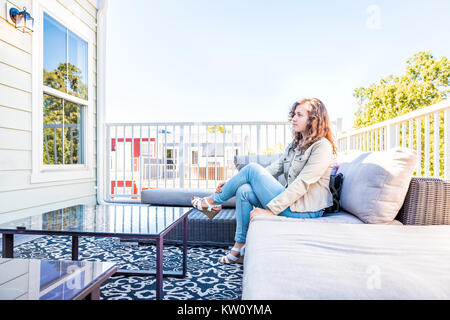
<point>300,119</point>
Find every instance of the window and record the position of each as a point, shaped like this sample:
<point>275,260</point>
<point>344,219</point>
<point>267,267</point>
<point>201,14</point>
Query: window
<point>65,94</point>
<point>172,155</point>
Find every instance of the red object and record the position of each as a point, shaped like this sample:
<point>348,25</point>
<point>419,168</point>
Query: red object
<point>128,184</point>
<point>136,144</point>
<point>137,148</point>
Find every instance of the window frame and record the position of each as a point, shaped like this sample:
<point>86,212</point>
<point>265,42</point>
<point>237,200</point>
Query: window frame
<point>46,173</point>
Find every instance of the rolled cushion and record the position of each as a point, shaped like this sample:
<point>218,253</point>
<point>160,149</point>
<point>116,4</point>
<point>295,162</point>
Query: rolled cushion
<point>178,197</point>
<point>375,183</point>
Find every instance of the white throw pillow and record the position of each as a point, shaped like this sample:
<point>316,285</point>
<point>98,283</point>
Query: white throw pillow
<point>375,183</point>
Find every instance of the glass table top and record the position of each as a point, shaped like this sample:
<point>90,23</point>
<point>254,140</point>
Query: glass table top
<point>32,279</point>
<point>101,219</point>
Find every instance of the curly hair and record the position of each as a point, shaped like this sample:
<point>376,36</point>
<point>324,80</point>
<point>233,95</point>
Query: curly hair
<point>318,125</point>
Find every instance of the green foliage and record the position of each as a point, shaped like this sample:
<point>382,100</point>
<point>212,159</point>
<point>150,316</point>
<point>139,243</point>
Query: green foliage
<point>66,78</point>
<point>425,82</point>
<point>218,128</point>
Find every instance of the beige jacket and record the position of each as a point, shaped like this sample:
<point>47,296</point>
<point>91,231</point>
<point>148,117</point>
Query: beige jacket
<point>307,176</point>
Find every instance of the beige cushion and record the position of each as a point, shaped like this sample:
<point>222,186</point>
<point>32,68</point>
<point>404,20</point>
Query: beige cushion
<point>375,183</point>
<point>290,259</point>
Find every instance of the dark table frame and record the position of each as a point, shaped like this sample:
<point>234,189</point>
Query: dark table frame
<point>8,248</point>
<point>92,292</point>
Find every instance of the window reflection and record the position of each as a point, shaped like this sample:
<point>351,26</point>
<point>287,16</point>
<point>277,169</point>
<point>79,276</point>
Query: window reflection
<point>65,59</point>
<point>77,64</point>
<point>55,53</point>
<point>63,131</point>
<point>73,133</point>
<point>53,124</point>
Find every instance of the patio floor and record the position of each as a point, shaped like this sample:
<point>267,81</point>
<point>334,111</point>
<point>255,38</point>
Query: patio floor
<point>206,278</point>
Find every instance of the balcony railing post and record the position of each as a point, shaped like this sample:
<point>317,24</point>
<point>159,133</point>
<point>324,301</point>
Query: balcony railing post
<point>447,144</point>
<point>390,136</point>
<point>258,140</point>
<point>108,162</point>
<point>349,143</point>
<point>338,126</point>
<point>181,156</point>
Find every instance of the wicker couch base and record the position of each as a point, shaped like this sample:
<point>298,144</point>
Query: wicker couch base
<point>219,231</point>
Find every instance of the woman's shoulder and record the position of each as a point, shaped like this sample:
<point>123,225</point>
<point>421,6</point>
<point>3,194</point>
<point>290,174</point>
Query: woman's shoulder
<point>322,143</point>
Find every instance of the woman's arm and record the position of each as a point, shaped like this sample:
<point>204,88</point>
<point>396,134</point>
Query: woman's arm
<point>318,162</point>
<point>276,167</point>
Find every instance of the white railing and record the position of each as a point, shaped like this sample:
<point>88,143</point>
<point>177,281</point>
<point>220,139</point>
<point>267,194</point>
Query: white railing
<point>432,144</point>
<point>182,155</point>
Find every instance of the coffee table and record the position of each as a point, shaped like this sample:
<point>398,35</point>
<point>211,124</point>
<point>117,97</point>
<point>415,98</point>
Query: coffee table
<point>121,221</point>
<point>33,279</point>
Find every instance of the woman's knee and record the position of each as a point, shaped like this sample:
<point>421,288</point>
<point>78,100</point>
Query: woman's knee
<point>243,191</point>
<point>254,166</point>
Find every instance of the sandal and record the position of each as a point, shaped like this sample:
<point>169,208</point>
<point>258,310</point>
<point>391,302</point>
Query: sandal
<point>211,211</point>
<point>230,259</point>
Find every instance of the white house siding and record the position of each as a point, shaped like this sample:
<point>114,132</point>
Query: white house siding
<point>18,196</point>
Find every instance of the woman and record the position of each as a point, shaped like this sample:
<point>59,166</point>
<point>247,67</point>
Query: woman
<point>306,164</point>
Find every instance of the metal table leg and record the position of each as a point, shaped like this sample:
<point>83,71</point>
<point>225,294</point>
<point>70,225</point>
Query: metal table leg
<point>8,245</point>
<point>159,268</point>
<point>185,238</point>
<point>75,248</point>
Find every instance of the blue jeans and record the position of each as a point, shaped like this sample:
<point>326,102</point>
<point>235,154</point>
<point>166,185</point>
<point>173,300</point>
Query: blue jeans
<point>254,186</point>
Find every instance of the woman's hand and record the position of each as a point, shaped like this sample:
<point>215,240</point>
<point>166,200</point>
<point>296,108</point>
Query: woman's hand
<point>219,187</point>
<point>260,212</point>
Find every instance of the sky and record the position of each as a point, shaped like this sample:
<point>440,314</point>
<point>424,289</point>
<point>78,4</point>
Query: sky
<point>250,60</point>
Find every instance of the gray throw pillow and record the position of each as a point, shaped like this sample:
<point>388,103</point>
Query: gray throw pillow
<point>375,183</point>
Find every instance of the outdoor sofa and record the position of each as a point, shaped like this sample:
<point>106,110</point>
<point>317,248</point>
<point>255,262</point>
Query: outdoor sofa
<point>390,240</point>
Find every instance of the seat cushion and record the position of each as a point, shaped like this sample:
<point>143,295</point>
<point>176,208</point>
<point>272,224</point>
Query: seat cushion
<point>290,259</point>
<point>375,183</point>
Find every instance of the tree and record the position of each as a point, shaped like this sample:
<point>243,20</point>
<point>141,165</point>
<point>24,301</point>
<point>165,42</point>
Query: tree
<point>218,128</point>
<point>425,82</point>
<point>66,78</point>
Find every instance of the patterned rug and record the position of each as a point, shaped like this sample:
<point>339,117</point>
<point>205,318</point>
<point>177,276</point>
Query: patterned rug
<point>206,279</point>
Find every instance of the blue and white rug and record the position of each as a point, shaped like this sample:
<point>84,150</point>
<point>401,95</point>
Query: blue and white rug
<point>206,279</point>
